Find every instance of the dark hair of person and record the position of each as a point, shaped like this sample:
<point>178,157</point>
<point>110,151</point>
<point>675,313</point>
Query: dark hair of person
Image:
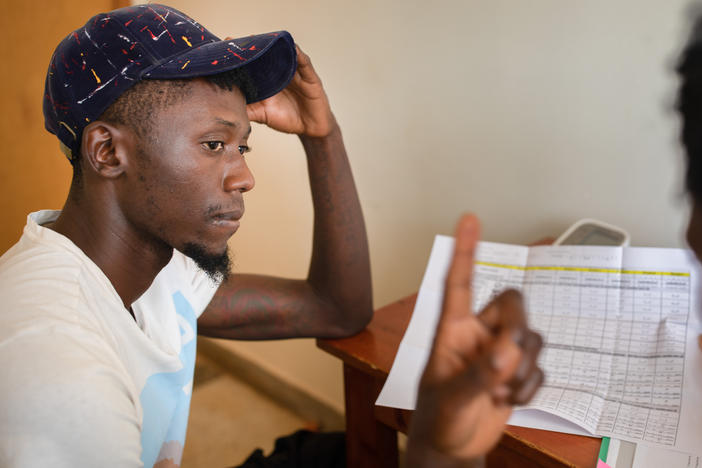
<point>689,104</point>
<point>136,106</point>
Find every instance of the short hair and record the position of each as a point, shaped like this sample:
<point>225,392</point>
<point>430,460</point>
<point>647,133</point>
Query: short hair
<point>689,104</point>
<point>136,106</point>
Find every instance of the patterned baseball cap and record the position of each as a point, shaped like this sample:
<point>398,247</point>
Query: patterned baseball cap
<point>113,51</point>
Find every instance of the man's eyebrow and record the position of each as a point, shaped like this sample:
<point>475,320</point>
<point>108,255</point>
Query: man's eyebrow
<point>228,123</point>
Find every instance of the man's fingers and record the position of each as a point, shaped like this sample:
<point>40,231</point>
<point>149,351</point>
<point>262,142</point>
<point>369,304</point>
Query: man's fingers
<point>517,383</point>
<point>496,369</point>
<point>531,344</point>
<point>302,58</point>
<point>458,294</point>
<point>526,391</point>
<point>305,69</point>
<point>255,112</point>
<point>506,356</point>
<point>484,375</point>
<point>506,311</point>
<point>491,370</point>
<point>527,376</point>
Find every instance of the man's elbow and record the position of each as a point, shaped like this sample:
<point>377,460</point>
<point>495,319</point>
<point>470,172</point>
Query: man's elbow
<point>352,320</point>
<point>360,320</point>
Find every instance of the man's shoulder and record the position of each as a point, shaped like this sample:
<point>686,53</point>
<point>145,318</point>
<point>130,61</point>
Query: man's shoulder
<point>45,313</point>
<point>38,272</point>
<point>51,333</point>
<point>47,266</point>
<point>34,262</point>
<point>49,288</point>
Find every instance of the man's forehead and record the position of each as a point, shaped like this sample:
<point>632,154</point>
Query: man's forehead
<point>205,104</point>
<point>198,92</point>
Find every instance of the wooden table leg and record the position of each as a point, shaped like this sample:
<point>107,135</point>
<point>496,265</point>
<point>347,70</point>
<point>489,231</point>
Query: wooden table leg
<point>369,443</point>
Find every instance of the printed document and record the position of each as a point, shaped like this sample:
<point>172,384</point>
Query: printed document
<point>620,329</point>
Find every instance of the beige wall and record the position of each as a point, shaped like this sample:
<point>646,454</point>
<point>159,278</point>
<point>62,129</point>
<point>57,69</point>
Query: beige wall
<point>532,114</point>
<point>33,174</point>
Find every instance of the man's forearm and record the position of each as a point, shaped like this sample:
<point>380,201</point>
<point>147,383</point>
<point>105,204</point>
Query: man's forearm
<point>339,267</point>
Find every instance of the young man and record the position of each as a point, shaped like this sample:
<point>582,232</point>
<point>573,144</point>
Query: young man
<point>102,301</point>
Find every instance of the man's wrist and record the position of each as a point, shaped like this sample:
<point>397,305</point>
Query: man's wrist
<point>326,145</point>
<point>322,132</point>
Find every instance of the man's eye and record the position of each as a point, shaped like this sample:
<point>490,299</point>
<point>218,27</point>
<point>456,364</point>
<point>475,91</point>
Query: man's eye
<point>214,145</point>
<point>243,149</point>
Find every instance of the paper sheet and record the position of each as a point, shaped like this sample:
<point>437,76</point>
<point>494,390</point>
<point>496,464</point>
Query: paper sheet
<point>620,352</point>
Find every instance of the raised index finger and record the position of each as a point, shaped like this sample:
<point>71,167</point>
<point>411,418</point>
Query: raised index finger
<point>458,294</point>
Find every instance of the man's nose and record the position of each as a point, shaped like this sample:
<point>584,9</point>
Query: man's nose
<point>238,176</point>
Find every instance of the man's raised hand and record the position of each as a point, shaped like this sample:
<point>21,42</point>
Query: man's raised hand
<point>478,367</point>
<point>301,108</point>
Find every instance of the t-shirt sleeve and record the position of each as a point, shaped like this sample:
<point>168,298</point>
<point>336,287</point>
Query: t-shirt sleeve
<point>202,286</point>
<point>66,403</point>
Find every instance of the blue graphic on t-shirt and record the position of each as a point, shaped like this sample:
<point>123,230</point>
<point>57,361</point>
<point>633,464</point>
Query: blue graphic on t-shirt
<point>165,398</point>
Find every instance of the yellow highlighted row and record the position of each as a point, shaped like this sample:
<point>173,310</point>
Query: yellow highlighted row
<point>594,270</point>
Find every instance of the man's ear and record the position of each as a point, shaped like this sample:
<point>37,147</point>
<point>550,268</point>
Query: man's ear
<point>103,149</point>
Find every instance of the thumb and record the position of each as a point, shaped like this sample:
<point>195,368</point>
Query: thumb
<point>256,112</point>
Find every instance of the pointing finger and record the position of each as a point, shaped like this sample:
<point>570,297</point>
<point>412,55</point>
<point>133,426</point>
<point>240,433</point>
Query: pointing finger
<point>458,294</point>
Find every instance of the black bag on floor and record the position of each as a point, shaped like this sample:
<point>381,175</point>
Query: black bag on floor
<point>303,449</point>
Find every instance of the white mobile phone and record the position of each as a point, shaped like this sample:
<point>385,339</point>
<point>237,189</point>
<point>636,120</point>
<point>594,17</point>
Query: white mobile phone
<point>593,232</point>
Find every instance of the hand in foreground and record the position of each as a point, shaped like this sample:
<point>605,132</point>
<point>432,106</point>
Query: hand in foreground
<point>479,366</point>
<point>301,108</point>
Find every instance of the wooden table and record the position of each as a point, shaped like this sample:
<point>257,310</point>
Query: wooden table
<point>371,430</point>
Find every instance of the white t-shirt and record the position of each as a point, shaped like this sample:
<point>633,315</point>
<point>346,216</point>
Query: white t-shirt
<point>82,383</point>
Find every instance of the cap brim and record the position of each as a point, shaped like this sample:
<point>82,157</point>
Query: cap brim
<point>270,59</point>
